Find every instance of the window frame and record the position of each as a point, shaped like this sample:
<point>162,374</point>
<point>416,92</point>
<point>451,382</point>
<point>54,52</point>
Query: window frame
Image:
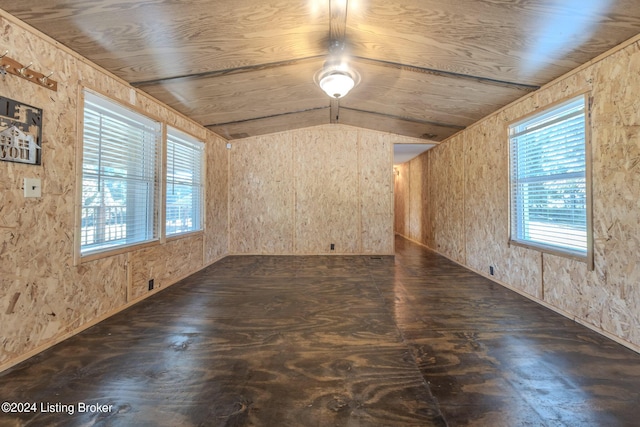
<point>157,192</point>
<point>202,185</point>
<point>541,247</point>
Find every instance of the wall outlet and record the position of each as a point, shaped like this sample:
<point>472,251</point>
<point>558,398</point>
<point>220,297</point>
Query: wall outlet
<point>151,284</point>
<point>333,246</point>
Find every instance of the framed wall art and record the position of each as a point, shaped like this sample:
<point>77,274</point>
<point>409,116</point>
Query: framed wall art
<point>20,132</point>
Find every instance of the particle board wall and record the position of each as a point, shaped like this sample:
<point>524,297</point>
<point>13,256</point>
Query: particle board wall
<point>446,180</point>
<point>486,208</point>
<point>416,204</point>
<point>217,200</point>
<point>606,299</point>
<point>45,296</point>
<point>402,216</point>
<point>165,264</point>
<point>326,189</point>
<point>297,192</point>
<point>419,204</point>
<point>412,204</point>
<point>376,192</point>
<point>261,195</point>
<point>616,191</point>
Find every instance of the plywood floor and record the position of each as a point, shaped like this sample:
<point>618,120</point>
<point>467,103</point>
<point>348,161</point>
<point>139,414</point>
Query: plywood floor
<point>331,341</point>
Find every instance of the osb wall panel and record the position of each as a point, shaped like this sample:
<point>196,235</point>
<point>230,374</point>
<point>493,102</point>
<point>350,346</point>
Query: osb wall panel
<point>217,200</point>
<point>430,215</point>
<point>560,272</point>
<point>607,298</point>
<point>413,207</point>
<point>419,206</point>
<point>401,199</point>
<point>44,296</point>
<point>376,192</point>
<point>39,287</point>
<point>39,308</point>
<point>446,178</point>
<point>487,211</point>
<point>297,192</point>
<point>487,198</point>
<point>326,187</point>
<point>165,264</point>
<point>616,191</point>
<point>261,195</point>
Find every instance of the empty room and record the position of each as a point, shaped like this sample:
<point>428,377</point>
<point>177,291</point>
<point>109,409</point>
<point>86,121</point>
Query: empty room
<point>320,213</point>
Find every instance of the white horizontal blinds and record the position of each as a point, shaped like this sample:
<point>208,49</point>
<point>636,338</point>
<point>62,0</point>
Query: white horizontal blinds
<point>119,176</point>
<point>548,179</point>
<point>184,193</point>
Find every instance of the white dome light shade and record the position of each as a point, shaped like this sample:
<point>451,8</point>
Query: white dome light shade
<point>337,84</point>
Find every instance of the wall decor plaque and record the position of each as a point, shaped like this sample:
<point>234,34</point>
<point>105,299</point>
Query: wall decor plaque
<point>20,132</point>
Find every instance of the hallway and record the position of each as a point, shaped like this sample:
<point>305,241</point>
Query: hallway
<point>331,341</point>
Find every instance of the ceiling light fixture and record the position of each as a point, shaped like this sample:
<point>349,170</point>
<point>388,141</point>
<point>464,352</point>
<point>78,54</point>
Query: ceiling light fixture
<point>336,78</point>
<point>337,82</point>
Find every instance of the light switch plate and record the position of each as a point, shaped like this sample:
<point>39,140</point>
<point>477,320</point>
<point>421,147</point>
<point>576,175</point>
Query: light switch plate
<point>32,187</point>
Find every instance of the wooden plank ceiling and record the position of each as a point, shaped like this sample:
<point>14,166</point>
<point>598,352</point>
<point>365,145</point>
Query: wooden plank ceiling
<point>246,67</point>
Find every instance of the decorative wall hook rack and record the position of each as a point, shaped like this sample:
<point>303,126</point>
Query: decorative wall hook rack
<point>11,66</point>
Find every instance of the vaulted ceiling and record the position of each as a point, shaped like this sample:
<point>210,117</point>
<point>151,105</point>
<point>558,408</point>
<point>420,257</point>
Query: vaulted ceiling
<point>428,68</point>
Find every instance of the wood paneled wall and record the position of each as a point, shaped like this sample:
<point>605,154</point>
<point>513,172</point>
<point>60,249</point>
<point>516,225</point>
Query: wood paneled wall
<point>299,191</point>
<point>44,296</point>
<point>401,200</point>
<point>466,179</point>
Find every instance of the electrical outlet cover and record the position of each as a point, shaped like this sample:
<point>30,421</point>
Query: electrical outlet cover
<point>32,187</point>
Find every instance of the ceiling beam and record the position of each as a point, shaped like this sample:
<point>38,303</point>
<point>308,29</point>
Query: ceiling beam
<point>406,119</point>
<point>266,117</point>
<point>337,34</point>
<point>334,111</point>
<point>395,65</point>
<point>442,73</point>
<point>334,117</point>
<point>230,71</point>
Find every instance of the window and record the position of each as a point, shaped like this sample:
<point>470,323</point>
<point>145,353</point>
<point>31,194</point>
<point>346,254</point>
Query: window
<point>184,183</point>
<point>549,180</point>
<point>120,160</point>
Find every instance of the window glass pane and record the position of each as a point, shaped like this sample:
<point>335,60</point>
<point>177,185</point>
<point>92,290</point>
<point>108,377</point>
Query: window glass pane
<point>185,156</point>
<point>548,179</point>
<point>119,174</point>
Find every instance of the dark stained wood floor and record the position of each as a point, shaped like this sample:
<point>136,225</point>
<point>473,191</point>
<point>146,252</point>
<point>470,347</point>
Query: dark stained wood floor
<point>332,341</point>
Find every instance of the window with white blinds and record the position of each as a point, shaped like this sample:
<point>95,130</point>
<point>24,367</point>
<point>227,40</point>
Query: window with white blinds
<point>120,170</point>
<point>184,187</point>
<point>548,179</point>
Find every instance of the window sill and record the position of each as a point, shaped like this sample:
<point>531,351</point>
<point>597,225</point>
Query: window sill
<point>184,235</point>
